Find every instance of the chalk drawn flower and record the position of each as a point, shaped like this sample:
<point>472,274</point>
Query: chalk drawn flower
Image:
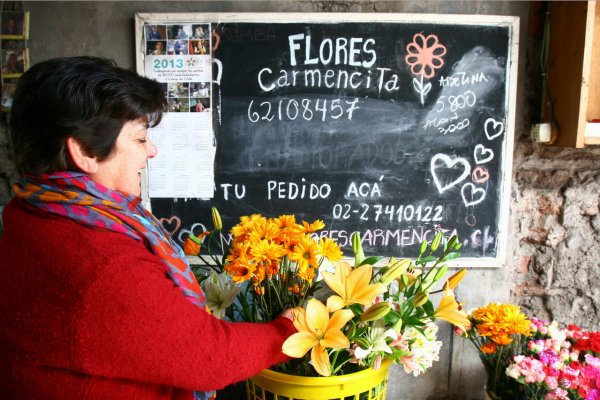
<point>425,55</point>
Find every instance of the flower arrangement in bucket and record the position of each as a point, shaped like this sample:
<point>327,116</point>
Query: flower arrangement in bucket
<point>351,315</point>
<point>534,359</point>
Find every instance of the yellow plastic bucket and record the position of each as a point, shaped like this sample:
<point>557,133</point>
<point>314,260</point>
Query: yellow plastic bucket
<point>363,385</point>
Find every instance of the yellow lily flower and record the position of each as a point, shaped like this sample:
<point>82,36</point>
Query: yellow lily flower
<point>455,279</point>
<point>449,310</point>
<point>352,286</point>
<point>317,332</point>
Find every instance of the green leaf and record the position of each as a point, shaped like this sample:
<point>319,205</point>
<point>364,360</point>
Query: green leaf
<point>425,260</point>
<point>428,308</point>
<point>370,260</point>
<point>195,239</point>
<point>356,309</point>
<point>414,321</point>
<point>451,256</point>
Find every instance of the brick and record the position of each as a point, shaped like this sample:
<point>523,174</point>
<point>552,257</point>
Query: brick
<point>547,207</point>
<point>523,266</point>
<point>536,236</point>
<point>528,289</point>
<point>535,179</point>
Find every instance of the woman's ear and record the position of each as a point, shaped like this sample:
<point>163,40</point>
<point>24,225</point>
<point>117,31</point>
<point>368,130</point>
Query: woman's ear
<point>79,156</point>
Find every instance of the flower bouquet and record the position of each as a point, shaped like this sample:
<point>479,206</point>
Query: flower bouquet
<point>350,314</point>
<point>535,359</point>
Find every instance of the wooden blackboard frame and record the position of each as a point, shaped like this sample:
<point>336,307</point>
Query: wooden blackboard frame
<point>512,22</point>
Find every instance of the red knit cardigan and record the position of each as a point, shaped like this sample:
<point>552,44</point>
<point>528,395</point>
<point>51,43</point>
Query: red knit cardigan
<point>90,314</point>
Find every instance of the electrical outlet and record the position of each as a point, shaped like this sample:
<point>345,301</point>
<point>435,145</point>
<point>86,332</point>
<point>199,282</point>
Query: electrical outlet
<point>541,133</point>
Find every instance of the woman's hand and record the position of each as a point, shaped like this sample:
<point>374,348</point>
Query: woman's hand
<point>288,314</point>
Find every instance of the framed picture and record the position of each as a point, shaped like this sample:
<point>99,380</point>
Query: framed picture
<point>15,25</point>
<point>15,61</point>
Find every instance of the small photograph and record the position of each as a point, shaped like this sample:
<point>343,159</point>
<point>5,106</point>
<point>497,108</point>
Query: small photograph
<point>201,32</point>
<point>179,89</point>
<point>199,47</point>
<point>8,91</point>
<point>155,48</point>
<point>14,24</point>
<point>182,32</point>
<point>179,105</point>
<point>14,62</point>
<point>177,47</point>
<point>199,89</point>
<point>199,105</point>
<point>156,32</point>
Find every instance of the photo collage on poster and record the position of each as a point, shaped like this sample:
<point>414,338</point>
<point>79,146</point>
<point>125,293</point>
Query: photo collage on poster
<point>182,40</point>
<point>14,55</point>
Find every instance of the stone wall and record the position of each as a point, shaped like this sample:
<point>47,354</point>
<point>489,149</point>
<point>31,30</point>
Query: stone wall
<point>554,251</point>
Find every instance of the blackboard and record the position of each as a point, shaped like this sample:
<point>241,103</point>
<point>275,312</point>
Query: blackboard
<point>391,125</point>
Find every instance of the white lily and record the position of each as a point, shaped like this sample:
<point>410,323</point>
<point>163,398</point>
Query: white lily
<point>377,340</point>
<point>220,293</point>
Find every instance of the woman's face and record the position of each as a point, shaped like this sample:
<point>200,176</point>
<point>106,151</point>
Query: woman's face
<point>122,170</point>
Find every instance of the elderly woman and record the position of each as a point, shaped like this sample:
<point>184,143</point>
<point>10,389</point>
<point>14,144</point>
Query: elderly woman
<point>97,301</point>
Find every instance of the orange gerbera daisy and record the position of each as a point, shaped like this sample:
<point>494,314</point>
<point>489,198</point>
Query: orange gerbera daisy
<point>330,250</point>
<point>266,251</point>
<point>315,226</point>
<point>263,230</point>
<point>305,253</point>
<point>500,322</point>
<point>488,348</point>
<point>240,271</point>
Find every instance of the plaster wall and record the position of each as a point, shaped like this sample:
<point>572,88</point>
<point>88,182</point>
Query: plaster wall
<point>553,268</point>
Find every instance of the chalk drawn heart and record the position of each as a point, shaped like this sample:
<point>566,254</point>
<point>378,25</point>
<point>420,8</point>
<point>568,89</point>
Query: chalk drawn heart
<point>496,129</point>
<point>171,225</point>
<point>480,175</point>
<point>474,194</point>
<point>457,163</point>
<point>195,230</point>
<point>482,154</point>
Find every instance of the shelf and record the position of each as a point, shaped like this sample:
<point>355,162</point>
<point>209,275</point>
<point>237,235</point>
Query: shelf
<point>574,69</point>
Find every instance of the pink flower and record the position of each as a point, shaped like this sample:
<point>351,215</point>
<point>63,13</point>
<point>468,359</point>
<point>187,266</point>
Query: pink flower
<point>551,382</point>
<point>377,363</point>
<point>593,395</point>
<point>409,364</point>
<point>557,394</point>
<point>568,378</point>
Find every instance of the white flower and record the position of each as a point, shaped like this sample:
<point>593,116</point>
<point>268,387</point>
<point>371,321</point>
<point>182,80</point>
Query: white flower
<point>377,340</point>
<point>424,349</point>
<point>220,293</point>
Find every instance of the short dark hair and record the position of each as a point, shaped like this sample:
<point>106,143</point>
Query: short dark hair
<point>87,98</point>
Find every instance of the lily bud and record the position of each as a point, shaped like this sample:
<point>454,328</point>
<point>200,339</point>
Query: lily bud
<point>376,311</point>
<point>423,247</point>
<point>359,255</point>
<point>437,239</point>
<point>216,219</point>
<point>420,299</point>
<point>440,273</point>
<point>395,270</point>
<point>191,246</point>
<point>455,279</point>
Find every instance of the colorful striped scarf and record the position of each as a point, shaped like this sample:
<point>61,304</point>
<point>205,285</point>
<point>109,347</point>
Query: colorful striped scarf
<point>74,195</point>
